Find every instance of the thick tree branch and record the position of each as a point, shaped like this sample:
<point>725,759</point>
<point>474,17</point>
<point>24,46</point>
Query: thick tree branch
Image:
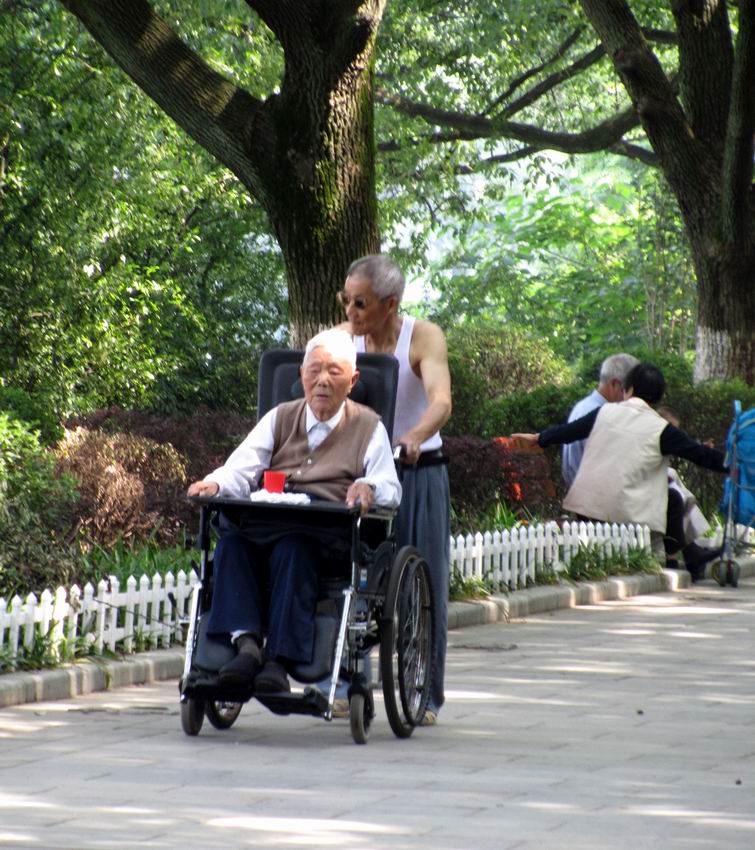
<point>652,94</point>
<point>706,57</point>
<point>561,51</point>
<point>212,110</point>
<point>600,137</point>
<point>553,80</point>
<point>738,212</point>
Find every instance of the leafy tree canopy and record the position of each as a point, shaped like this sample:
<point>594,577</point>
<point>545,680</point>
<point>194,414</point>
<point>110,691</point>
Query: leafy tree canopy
<point>134,270</point>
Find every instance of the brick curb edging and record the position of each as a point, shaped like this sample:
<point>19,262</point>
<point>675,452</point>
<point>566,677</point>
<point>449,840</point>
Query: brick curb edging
<point>88,676</point>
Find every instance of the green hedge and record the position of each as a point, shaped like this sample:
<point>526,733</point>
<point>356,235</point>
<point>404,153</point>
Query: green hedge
<point>705,412</point>
<point>36,513</point>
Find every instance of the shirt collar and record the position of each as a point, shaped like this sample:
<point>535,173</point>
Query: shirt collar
<point>331,423</point>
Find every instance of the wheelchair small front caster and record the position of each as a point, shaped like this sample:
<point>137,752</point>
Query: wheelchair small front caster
<point>192,715</point>
<point>360,717</point>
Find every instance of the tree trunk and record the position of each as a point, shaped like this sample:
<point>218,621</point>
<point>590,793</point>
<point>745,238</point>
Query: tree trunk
<point>726,313</point>
<point>305,153</point>
<point>704,144</point>
<point>323,207</point>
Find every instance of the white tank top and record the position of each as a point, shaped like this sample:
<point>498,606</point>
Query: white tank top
<point>411,398</point>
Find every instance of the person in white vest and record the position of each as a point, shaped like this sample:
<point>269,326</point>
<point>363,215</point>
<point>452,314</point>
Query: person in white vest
<point>623,476</point>
<point>370,298</point>
<point>613,371</point>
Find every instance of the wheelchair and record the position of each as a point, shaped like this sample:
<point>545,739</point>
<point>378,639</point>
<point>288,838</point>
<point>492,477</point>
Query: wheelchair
<point>371,593</point>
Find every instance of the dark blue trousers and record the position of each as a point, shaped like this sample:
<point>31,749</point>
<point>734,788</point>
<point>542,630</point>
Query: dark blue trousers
<point>244,571</point>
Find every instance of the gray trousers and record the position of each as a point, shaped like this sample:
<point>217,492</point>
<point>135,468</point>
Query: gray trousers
<point>424,521</point>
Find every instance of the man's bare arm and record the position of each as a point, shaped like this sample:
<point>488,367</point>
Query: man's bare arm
<point>429,356</point>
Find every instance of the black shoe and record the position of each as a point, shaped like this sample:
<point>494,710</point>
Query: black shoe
<point>272,679</point>
<point>696,557</point>
<point>241,671</point>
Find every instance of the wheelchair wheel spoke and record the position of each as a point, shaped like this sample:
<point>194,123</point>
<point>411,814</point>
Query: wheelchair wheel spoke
<point>407,638</point>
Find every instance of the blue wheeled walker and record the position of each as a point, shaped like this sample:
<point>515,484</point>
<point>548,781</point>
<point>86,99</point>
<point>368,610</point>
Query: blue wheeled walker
<point>738,504</point>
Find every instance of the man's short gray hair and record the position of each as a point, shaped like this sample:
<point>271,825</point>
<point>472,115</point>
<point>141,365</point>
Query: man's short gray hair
<point>616,367</point>
<point>384,274</point>
<point>338,343</point>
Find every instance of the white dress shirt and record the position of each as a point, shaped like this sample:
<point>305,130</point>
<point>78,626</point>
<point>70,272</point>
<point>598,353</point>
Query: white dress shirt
<point>571,453</point>
<point>239,476</point>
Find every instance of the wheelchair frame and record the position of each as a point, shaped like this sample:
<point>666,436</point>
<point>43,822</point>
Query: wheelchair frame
<point>387,602</point>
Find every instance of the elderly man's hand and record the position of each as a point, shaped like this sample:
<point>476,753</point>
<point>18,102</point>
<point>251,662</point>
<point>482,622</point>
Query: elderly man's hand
<point>362,493</point>
<point>203,488</point>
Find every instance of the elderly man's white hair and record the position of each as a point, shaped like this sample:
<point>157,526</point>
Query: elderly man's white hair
<point>616,367</point>
<point>338,343</point>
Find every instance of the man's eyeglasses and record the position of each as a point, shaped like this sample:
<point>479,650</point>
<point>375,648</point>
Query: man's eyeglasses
<point>344,299</point>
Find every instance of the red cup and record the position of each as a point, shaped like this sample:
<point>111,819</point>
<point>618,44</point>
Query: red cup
<point>274,482</point>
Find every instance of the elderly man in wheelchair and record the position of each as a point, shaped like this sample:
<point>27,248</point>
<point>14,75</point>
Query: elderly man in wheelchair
<point>267,604</point>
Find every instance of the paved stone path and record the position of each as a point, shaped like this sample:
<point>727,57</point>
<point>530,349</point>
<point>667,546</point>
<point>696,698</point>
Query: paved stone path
<point>627,724</point>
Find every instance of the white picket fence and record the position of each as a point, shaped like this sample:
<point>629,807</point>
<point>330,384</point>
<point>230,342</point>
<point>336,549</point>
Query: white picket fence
<point>511,559</point>
<point>149,613</point>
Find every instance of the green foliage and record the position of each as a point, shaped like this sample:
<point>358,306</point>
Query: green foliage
<point>36,513</point>
<point>676,368</point>
<point>706,412</point>
<point>135,270</point>
<point>594,259</point>
<point>532,411</point>
<point>488,361</point>
<point>592,563</point>
<point>474,587</point>
<point>122,560</point>
<point>35,411</point>
<point>40,654</point>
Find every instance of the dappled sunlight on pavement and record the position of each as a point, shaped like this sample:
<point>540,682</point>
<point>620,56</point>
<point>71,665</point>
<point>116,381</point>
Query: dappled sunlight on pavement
<point>619,726</point>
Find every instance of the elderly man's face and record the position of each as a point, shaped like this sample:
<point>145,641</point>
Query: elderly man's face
<point>364,310</point>
<point>327,382</point>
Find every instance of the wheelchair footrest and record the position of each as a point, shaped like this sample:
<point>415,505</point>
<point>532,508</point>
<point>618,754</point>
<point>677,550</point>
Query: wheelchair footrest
<point>311,702</point>
<point>207,687</point>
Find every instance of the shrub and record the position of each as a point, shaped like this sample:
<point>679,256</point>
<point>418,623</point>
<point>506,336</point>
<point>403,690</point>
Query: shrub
<point>204,439</point>
<point>485,473</point>
<point>489,361</point>
<point>676,368</point>
<point>130,487</point>
<point>706,412</point>
<point>36,513</point>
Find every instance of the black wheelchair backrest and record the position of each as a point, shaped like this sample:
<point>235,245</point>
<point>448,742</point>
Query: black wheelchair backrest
<point>279,381</point>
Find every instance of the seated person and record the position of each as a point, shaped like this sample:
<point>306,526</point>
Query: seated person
<point>623,474</point>
<point>330,448</point>
<point>685,522</point>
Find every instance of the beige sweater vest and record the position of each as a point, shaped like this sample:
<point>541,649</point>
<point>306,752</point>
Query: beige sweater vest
<point>333,466</point>
<point>623,475</point>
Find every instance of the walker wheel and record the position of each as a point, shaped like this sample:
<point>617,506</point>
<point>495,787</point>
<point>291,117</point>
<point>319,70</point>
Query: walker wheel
<point>719,573</point>
<point>733,574</point>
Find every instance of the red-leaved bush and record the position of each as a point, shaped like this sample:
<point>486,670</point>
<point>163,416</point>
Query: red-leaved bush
<point>483,472</point>
<point>129,487</point>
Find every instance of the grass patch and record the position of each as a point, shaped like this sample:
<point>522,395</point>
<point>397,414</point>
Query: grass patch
<point>592,563</point>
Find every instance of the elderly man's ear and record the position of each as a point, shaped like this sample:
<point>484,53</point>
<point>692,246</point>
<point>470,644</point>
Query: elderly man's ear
<point>354,379</point>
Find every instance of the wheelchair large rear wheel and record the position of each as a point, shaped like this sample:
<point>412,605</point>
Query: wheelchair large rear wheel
<point>406,642</point>
<point>222,715</point>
